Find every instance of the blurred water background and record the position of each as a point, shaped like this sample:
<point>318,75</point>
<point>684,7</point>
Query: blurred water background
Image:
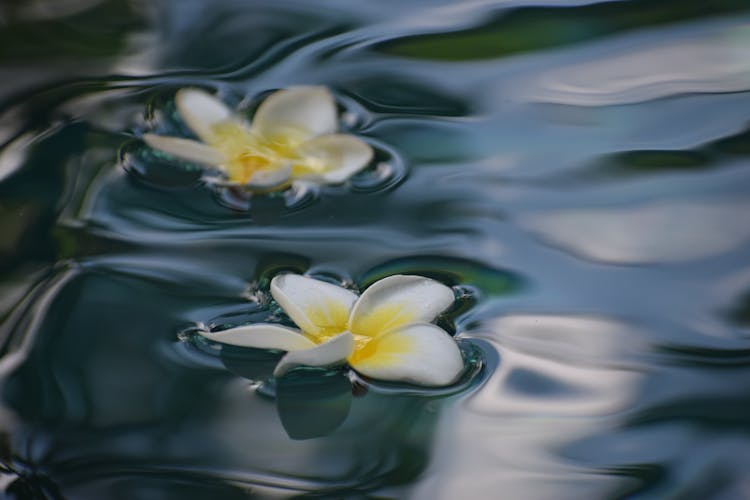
<point>579,169</point>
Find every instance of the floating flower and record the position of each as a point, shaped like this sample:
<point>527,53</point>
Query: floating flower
<point>386,333</point>
<point>293,136</point>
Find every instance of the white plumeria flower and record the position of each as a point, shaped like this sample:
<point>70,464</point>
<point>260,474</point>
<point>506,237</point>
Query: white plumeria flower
<point>293,136</point>
<point>386,333</point>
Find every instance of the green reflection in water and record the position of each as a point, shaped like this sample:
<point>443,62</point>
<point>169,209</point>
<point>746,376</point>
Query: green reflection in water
<point>638,163</point>
<point>97,32</point>
<point>450,270</point>
<point>536,28</point>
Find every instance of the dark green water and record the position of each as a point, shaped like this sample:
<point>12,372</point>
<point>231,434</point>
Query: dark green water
<point>580,170</point>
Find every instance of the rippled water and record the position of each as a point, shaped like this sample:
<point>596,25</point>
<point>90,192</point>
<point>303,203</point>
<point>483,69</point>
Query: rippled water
<point>578,170</point>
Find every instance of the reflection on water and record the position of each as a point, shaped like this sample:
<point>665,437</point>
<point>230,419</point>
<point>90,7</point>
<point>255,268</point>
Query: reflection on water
<point>652,233</point>
<point>560,379</point>
<point>578,171</point>
<point>636,70</point>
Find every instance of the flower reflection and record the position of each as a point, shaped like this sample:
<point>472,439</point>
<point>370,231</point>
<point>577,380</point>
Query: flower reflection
<point>383,334</point>
<point>315,402</point>
<point>309,403</point>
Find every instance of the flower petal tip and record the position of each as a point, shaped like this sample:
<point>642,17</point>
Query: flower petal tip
<point>261,336</point>
<point>201,111</point>
<point>310,111</point>
<point>336,157</point>
<point>185,149</point>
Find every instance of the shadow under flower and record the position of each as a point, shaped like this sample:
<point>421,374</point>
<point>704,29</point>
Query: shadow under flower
<point>314,402</point>
<point>311,402</point>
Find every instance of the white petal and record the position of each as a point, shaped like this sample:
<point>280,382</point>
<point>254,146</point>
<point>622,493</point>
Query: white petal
<point>397,301</point>
<point>317,307</point>
<point>335,351</point>
<point>262,336</point>
<point>201,111</point>
<point>302,112</point>
<point>335,157</point>
<point>185,149</point>
<point>419,353</point>
<point>271,177</point>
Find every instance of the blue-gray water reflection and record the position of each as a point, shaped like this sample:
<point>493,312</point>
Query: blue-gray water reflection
<point>578,170</point>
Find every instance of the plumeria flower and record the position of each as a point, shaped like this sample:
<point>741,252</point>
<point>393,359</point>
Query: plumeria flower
<point>386,333</point>
<point>293,136</point>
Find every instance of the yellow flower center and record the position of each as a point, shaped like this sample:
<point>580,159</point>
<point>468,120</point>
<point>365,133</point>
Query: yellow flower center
<point>329,320</point>
<point>332,318</point>
<point>247,153</point>
<point>383,352</point>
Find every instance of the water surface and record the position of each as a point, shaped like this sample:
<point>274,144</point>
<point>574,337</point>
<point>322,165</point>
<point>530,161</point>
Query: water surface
<point>578,170</point>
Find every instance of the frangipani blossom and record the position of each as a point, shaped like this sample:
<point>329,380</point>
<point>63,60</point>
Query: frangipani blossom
<point>293,136</point>
<point>386,333</point>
